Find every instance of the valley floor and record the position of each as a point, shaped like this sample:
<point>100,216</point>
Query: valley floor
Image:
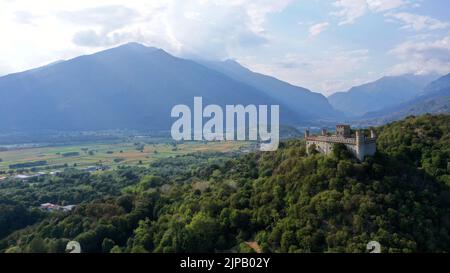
<point>108,154</point>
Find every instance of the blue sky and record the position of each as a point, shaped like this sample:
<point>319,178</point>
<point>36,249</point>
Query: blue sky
<point>326,46</point>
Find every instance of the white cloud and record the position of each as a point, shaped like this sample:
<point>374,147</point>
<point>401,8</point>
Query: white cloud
<point>106,19</point>
<point>418,22</point>
<point>334,70</point>
<point>219,28</point>
<point>422,57</point>
<point>350,10</point>
<point>42,31</point>
<point>316,29</point>
<point>108,16</point>
<point>4,69</point>
<point>385,5</point>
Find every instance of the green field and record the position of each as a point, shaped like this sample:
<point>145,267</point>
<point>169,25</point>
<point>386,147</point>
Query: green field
<point>109,154</point>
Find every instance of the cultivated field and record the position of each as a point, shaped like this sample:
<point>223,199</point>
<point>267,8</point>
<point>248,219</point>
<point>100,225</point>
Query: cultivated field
<point>108,154</point>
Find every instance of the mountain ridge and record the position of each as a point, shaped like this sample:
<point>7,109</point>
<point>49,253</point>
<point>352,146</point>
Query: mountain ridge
<point>434,99</point>
<point>384,92</point>
<point>295,97</point>
<point>127,87</point>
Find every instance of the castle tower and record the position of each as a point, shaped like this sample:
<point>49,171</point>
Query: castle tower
<point>306,133</point>
<point>324,132</point>
<point>343,130</point>
<point>359,138</point>
<point>360,153</point>
<point>373,134</point>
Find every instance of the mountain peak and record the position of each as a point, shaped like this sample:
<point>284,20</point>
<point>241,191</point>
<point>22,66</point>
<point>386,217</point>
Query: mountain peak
<point>128,50</point>
<point>136,46</point>
<point>232,61</point>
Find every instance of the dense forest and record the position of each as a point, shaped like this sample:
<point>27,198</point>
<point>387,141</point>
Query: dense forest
<point>282,201</point>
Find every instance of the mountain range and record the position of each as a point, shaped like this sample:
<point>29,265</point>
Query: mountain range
<point>434,99</point>
<point>385,92</point>
<point>135,87</point>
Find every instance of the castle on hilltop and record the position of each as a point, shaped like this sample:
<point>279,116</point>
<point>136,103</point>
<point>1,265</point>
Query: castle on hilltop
<point>359,145</point>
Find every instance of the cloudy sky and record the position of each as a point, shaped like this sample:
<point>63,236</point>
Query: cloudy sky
<point>323,45</point>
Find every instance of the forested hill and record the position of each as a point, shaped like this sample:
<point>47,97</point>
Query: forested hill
<point>422,141</point>
<point>284,201</point>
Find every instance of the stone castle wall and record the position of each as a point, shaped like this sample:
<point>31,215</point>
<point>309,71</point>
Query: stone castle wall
<point>360,146</point>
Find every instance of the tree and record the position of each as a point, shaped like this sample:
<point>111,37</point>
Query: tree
<point>340,151</point>
<point>312,149</point>
<point>37,245</point>
<point>107,245</point>
<point>203,231</point>
<point>116,249</point>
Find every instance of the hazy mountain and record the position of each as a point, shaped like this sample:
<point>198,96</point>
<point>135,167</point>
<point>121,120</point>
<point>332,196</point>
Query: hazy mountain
<point>438,87</point>
<point>300,100</point>
<point>385,92</point>
<point>439,105</point>
<point>434,99</point>
<point>128,87</point>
